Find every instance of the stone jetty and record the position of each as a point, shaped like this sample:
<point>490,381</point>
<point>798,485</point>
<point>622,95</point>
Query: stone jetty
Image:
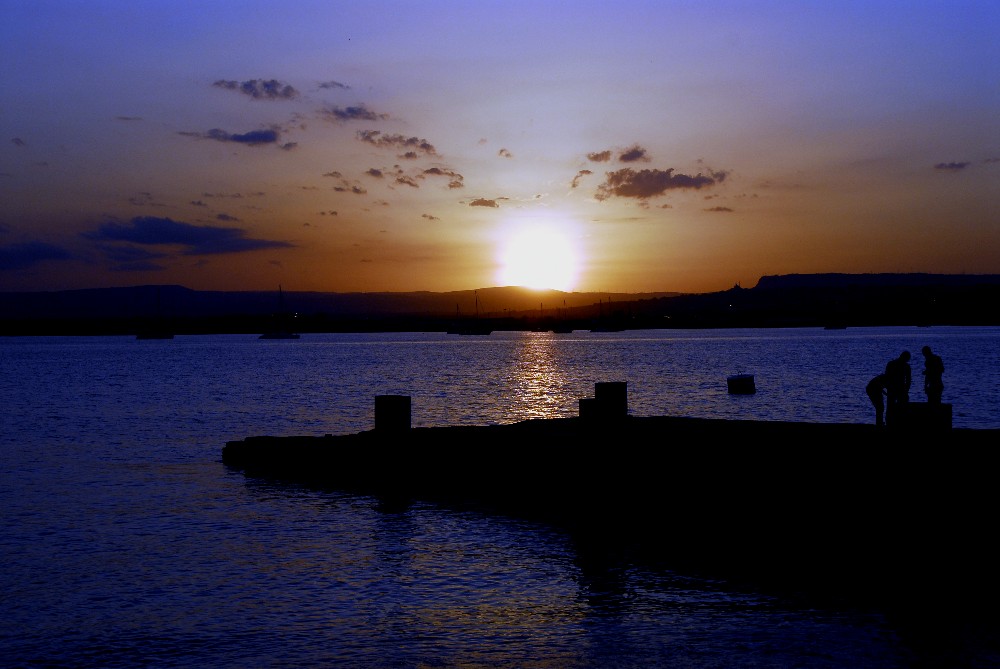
<point>885,512</point>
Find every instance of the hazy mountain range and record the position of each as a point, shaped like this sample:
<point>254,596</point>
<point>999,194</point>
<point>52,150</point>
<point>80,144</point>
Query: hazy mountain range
<point>786,300</point>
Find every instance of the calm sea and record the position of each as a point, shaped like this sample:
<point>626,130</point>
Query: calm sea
<point>125,542</point>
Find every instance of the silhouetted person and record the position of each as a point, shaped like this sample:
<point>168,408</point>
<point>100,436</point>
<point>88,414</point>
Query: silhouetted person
<point>876,393</point>
<point>933,369</point>
<point>897,386</point>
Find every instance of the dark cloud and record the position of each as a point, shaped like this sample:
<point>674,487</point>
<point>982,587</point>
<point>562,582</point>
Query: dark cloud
<point>131,255</point>
<point>374,172</point>
<point>599,157</point>
<point>643,184</point>
<point>634,154</point>
<point>17,141</point>
<point>413,145</point>
<point>289,146</point>
<point>483,202</point>
<point>198,239</point>
<point>357,190</point>
<point>333,84</point>
<point>252,138</point>
<point>719,209</point>
<point>357,113</point>
<point>990,161</point>
<point>260,89</point>
<point>456,179</point>
<point>430,217</point>
<point>227,218</point>
<point>128,118</point>
<point>953,167</point>
<point>407,181</point>
<point>579,175</point>
<point>334,174</point>
<point>504,153</point>
<point>29,254</point>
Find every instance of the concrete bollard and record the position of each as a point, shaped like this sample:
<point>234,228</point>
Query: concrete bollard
<point>588,408</point>
<point>392,413</point>
<point>611,398</point>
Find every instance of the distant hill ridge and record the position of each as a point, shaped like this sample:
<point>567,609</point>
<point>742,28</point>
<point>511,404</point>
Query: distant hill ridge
<point>834,280</point>
<point>792,300</point>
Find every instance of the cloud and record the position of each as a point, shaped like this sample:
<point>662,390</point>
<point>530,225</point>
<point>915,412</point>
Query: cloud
<point>719,209</point>
<point>633,154</point>
<point>579,175</point>
<point>952,167</point>
<point>430,217</point>
<point>128,118</point>
<point>414,145</point>
<point>407,181</point>
<point>599,156</point>
<point>374,172</point>
<point>198,239</point>
<point>456,179</point>
<point>17,141</point>
<point>260,89</point>
<point>357,113</point>
<point>333,84</point>
<point>29,254</point>
<point>483,202</point>
<point>132,257</point>
<point>252,138</point>
<point>645,184</point>
<point>504,153</point>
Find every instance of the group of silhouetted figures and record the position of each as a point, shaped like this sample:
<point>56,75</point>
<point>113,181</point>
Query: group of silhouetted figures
<point>891,389</point>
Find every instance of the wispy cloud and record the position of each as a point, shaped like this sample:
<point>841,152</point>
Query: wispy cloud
<point>356,113</point>
<point>483,202</point>
<point>196,239</point>
<point>634,154</point>
<point>599,156</point>
<point>260,89</point>
<point>951,167</point>
<point>456,180</point>
<point>333,85</point>
<point>29,254</point>
<point>579,175</point>
<point>252,138</point>
<point>413,145</point>
<point>643,184</point>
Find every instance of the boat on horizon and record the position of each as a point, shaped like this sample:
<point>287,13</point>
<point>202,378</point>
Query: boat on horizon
<point>282,318</point>
<point>470,326</point>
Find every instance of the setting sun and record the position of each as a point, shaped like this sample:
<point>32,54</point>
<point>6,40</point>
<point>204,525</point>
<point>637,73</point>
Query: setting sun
<point>539,258</point>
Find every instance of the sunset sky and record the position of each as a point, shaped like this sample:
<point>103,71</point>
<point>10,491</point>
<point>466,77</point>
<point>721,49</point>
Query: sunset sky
<point>586,146</point>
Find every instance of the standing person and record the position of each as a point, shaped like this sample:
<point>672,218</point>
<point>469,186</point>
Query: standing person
<point>876,393</point>
<point>897,386</point>
<point>933,369</point>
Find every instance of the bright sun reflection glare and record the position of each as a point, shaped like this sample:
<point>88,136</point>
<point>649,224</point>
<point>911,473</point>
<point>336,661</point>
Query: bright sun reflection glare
<point>539,257</point>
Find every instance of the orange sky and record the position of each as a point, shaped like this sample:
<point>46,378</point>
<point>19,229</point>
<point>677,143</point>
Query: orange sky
<point>398,146</point>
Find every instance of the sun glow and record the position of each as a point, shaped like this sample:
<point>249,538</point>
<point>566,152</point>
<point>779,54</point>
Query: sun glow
<point>539,257</point>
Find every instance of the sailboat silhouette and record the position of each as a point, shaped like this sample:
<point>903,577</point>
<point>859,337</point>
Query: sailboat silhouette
<point>471,326</point>
<point>282,331</point>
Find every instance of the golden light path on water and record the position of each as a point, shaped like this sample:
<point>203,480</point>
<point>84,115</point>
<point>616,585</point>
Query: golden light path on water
<point>539,384</point>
